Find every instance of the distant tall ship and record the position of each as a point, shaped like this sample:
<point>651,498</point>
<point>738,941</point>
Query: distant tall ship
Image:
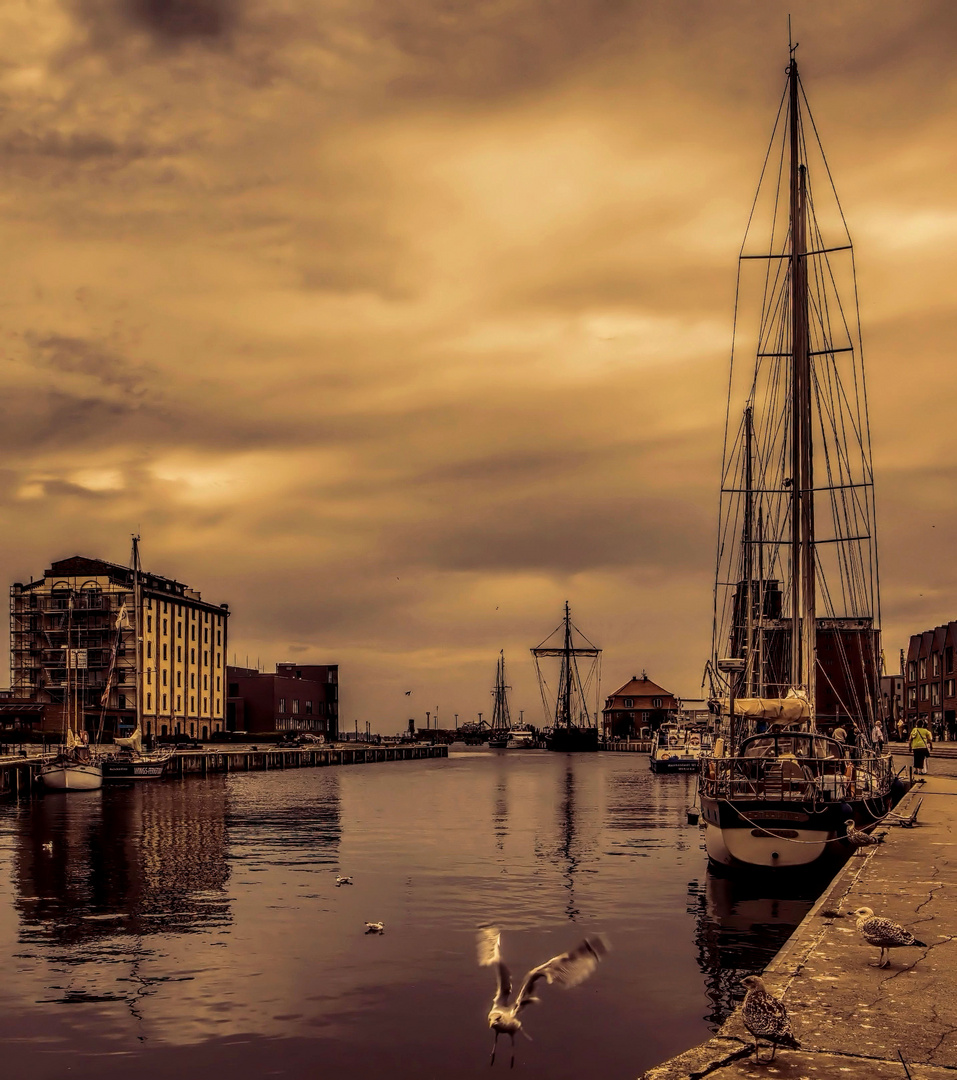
<point>574,726</point>
<point>796,641</point>
<point>501,719</point>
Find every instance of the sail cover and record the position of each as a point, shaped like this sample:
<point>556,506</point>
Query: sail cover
<point>134,742</point>
<point>788,709</point>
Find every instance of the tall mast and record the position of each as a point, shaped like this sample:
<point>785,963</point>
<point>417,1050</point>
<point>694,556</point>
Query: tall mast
<point>137,633</point>
<point>803,623</point>
<point>567,661</point>
<point>748,550</point>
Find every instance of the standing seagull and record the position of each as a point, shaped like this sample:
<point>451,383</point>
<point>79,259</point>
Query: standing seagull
<point>766,1017</point>
<point>859,839</point>
<point>568,970</point>
<point>883,933</point>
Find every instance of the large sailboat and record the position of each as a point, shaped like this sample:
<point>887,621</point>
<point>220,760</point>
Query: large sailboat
<point>75,768</point>
<point>131,761</point>
<point>501,718</point>
<point>573,725</point>
<point>796,642</point>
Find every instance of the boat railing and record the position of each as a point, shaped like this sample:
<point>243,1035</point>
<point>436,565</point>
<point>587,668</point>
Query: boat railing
<point>796,779</point>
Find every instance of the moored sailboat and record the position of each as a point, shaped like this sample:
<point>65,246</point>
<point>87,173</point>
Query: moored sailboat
<point>74,768</point>
<point>574,726</point>
<point>131,762</point>
<point>501,718</point>
<point>796,642</point>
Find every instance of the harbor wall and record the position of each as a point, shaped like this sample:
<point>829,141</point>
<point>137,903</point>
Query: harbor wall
<point>19,775</point>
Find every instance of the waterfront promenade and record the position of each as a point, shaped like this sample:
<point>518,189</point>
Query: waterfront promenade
<point>852,1019</point>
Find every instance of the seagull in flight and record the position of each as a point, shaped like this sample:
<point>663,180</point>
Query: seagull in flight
<point>766,1017</point>
<point>883,933</point>
<point>568,970</point>
<point>408,692</point>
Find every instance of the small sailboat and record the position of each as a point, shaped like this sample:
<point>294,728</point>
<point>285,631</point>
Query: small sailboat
<point>74,768</point>
<point>796,642</point>
<point>501,719</point>
<point>574,725</point>
<point>131,761</point>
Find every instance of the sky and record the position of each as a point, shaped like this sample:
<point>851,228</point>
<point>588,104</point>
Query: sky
<point>395,324</point>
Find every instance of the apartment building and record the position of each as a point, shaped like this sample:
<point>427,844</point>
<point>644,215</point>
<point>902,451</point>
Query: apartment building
<point>73,648</point>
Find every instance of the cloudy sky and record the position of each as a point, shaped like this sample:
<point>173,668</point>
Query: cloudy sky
<point>396,323</point>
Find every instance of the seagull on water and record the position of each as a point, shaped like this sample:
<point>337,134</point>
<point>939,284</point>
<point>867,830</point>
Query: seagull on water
<point>857,838</point>
<point>883,933</point>
<point>343,881</point>
<point>375,928</point>
<point>766,1017</point>
<point>568,969</point>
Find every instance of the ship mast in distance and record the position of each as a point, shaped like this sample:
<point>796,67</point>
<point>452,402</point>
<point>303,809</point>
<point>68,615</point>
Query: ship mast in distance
<point>575,727</point>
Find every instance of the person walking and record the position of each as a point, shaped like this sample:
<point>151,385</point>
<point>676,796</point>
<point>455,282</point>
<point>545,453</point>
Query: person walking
<point>877,737</point>
<point>921,742</point>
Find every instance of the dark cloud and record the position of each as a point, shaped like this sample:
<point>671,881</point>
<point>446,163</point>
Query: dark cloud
<point>168,22</point>
<point>79,356</point>
<point>76,147</point>
<point>565,532</point>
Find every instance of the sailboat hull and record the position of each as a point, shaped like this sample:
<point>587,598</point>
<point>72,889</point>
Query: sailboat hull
<point>135,769</point>
<point>776,834</point>
<point>71,776</point>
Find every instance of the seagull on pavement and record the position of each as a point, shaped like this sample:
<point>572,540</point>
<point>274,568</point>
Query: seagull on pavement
<point>375,928</point>
<point>568,970</point>
<point>883,933</point>
<point>766,1017</point>
<point>343,881</point>
<point>857,838</point>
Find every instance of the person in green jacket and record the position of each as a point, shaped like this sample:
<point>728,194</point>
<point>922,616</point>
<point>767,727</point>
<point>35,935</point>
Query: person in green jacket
<point>921,742</point>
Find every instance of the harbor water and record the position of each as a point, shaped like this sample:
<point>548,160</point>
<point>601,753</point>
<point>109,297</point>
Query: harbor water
<point>195,925</point>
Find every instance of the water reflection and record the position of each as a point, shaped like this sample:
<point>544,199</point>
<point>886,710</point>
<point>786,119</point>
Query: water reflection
<point>135,860</point>
<point>741,923</point>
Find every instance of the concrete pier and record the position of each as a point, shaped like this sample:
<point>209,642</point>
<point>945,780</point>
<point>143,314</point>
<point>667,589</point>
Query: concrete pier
<point>20,774</point>
<point>850,1017</point>
<point>247,760</point>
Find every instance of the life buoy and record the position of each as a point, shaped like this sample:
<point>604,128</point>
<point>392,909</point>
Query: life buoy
<point>672,740</point>
<point>695,741</point>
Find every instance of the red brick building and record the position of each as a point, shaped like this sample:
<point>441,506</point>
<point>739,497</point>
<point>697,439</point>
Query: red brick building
<point>930,679</point>
<point>639,704</point>
<point>297,698</point>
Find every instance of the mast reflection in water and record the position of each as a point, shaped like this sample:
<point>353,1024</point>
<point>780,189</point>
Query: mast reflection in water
<point>741,923</point>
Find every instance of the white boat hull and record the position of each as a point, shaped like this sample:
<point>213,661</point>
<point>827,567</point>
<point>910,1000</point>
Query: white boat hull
<point>72,776</point>
<point>761,848</point>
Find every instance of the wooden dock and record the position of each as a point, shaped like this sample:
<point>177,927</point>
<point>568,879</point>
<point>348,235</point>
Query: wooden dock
<point>20,775</point>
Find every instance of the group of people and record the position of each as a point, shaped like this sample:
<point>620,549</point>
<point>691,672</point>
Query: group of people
<point>920,741</point>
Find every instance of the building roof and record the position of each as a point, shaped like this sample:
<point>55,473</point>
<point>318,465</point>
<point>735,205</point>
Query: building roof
<point>77,566</point>
<point>641,686</point>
